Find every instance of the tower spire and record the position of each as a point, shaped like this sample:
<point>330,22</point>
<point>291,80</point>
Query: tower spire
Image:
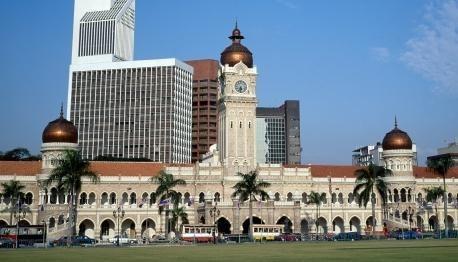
<point>395,122</point>
<point>236,27</point>
<point>62,110</point>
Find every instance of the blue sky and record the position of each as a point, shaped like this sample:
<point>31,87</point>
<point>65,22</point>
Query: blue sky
<point>353,65</point>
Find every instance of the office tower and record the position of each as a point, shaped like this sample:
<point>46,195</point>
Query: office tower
<point>125,108</point>
<point>204,106</point>
<point>278,134</point>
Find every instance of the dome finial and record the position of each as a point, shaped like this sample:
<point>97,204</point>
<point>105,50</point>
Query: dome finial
<point>236,27</point>
<point>395,122</point>
<point>62,110</point>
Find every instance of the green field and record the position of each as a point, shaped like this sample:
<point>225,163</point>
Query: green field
<point>387,250</point>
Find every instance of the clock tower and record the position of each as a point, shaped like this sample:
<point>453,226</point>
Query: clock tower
<point>237,106</point>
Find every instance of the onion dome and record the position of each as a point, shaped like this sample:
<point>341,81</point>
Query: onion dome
<point>60,130</point>
<point>236,52</point>
<point>396,139</point>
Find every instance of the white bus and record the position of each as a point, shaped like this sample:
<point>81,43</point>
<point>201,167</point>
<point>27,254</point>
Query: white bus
<point>267,232</point>
<point>198,233</point>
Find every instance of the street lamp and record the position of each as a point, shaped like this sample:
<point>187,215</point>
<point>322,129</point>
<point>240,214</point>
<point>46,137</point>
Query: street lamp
<point>410,218</point>
<point>19,213</point>
<point>44,233</point>
<point>118,214</point>
<point>214,212</point>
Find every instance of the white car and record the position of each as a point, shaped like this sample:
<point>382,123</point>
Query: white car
<point>123,240</point>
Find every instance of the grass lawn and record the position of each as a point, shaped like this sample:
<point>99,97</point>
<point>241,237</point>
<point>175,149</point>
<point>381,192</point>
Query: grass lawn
<point>385,250</point>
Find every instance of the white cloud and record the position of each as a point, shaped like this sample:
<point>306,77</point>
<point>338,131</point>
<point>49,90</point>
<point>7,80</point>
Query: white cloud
<point>433,53</point>
<point>381,54</point>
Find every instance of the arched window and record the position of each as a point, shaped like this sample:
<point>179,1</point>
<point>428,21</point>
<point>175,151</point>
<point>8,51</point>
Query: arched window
<point>133,198</point>
<point>249,124</point>
<point>240,124</point>
<point>289,197</point>
<point>403,195</point>
<point>277,197</point>
<point>217,197</point>
<point>449,198</point>
<point>396,195</point>
<point>304,198</point>
<point>201,197</point>
<point>340,198</point>
<point>53,199</point>
<point>323,196</point>
<point>419,198</point>
<point>83,198</point>
<point>334,198</point>
<point>350,198</point>
<point>104,199</point>
<point>28,198</point>
<point>231,124</point>
<point>113,198</point>
<point>125,198</point>
<point>187,198</point>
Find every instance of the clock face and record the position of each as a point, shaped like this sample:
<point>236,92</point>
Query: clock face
<point>240,86</point>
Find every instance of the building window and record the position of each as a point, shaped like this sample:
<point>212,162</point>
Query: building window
<point>240,124</point>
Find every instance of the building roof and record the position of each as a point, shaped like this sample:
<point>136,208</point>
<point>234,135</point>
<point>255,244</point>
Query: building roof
<point>424,172</point>
<point>20,168</point>
<point>204,69</point>
<point>109,168</point>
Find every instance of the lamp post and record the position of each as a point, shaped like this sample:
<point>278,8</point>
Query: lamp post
<point>118,214</point>
<point>44,233</point>
<point>214,212</point>
<point>410,218</point>
<point>18,213</point>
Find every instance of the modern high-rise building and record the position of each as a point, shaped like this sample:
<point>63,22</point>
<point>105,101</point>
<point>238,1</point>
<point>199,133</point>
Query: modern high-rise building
<point>278,134</point>
<point>125,108</point>
<point>204,106</point>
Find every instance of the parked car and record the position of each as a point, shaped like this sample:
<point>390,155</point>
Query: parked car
<point>287,237</point>
<point>75,241</point>
<point>6,242</point>
<point>347,236</point>
<point>122,240</point>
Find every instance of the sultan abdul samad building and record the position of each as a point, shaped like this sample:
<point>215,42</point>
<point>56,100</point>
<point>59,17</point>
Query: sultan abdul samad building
<point>210,182</point>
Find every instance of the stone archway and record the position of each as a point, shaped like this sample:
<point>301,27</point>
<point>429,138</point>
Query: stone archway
<point>355,225</point>
<point>246,223</point>
<point>128,228</point>
<point>24,223</point>
<point>450,223</point>
<point>304,226</point>
<point>433,222</point>
<point>86,228</point>
<point>148,228</point>
<point>107,229</point>
<point>3,223</point>
<point>338,225</point>
<point>287,223</point>
<point>322,225</point>
<point>224,226</point>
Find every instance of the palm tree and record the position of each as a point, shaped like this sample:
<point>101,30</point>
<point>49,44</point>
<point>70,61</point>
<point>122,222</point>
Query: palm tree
<point>178,213</point>
<point>432,195</point>
<point>368,181</point>
<point>247,189</point>
<point>440,165</point>
<point>317,199</point>
<point>68,176</point>
<point>13,190</point>
<point>165,191</point>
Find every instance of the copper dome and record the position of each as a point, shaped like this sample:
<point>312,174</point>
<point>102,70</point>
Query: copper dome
<point>396,139</point>
<point>236,52</point>
<point>60,130</point>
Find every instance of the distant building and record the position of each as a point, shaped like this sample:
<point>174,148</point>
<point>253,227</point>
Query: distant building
<point>124,108</point>
<point>278,134</point>
<point>204,106</point>
<point>451,149</point>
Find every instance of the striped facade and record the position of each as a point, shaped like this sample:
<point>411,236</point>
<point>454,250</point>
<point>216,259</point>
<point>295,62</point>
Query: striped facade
<point>136,109</point>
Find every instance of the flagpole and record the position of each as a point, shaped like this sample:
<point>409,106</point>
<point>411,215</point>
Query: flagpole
<point>330,193</point>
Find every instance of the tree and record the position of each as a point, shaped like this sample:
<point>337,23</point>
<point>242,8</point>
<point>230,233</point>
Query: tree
<point>13,190</point>
<point>68,176</point>
<point>165,191</point>
<point>249,188</point>
<point>178,213</point>
<point>16,154</point>
<point>432,195</point>
<point>368,181</point>
<point>440,165</point>
<point>317,199</point>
